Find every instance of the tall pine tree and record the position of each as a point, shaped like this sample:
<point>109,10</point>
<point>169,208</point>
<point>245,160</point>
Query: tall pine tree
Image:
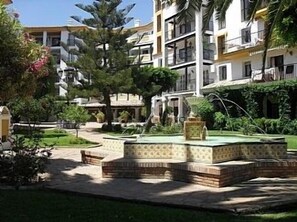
<point>103,50</point>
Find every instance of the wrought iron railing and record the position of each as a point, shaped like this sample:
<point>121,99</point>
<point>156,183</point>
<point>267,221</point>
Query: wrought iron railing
<point>208,54</point>
<point>176,59</point>
<point>244,41</point>
<point>284,72</point>
<point>180,30</point>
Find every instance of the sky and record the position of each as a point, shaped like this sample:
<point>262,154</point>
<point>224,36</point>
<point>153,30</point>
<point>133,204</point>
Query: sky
<point>58,12</point>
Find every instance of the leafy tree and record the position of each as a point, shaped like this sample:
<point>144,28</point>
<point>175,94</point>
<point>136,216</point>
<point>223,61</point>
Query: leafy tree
<point>151,81</point>
<point>45,85</point>
<point>103,50</point>
<point>22,60</point>
<point>276,15</point>
<point>76,115</point>
<point>26,162</point>
<point>28,109</point>
<point>285,32</point>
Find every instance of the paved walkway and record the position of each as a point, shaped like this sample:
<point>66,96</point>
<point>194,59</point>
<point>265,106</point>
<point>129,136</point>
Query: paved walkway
<point>66,172</point>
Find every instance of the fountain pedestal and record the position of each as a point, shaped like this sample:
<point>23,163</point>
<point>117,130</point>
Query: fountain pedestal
<point>194,129</point>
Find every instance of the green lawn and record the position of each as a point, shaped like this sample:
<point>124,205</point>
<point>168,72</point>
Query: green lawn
<point>51,206</point>
<point>63,139</point>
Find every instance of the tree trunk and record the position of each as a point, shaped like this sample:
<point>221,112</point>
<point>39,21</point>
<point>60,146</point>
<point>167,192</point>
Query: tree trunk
<point>108,113</point>
<point>148,106</point>
<point>76,132</point>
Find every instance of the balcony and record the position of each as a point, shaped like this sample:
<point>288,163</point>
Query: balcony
<point>285,72</point>
<point>207,81</point>
<point>244,41</point>
<point>181,57</point>
<point>141,59</point>
<point>209,26</point>
<point>70,42</point>
<point>208,54</point>
<point>53,41</point>
<point>182,85</point>
<point>176,31</point>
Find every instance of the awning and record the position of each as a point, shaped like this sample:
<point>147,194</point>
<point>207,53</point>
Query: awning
<point>231,84</point>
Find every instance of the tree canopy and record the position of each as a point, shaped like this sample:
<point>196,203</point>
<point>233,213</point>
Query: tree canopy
<point>22,60</point>
<point>103,50</point>
<point>151,81</point>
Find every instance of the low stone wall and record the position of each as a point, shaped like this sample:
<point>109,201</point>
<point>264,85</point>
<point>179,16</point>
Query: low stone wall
<point>215,175</point>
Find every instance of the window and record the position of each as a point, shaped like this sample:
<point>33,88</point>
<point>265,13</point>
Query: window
<point>159,44</point>
<point>71,57</point>
<point>247,69</point>
<point>185,54</point>
<point>222,73</point>
<point>55,41</point>
<point>145,51</point>
<point>159,23</point>
<point>290,69</point>
<point>246,35</point>
<point>205,77</point>
<point>185,28</point>
<point>222,23</point>
<point>39,40</point>
<point>71,40</point>
<point>244,9</point>
<point>221,44</point>
<point>157,5</point>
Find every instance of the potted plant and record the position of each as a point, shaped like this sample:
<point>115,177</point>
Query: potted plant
<point>124,116</point>
<point>100,116</point>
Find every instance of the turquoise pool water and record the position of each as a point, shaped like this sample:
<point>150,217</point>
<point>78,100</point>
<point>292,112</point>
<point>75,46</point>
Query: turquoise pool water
<point>210,140</point>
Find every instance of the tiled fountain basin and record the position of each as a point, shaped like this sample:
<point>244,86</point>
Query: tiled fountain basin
<point>216,162</point>
<point>215,149</point>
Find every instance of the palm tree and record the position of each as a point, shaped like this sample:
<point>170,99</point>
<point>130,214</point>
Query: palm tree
<point>275,9</point>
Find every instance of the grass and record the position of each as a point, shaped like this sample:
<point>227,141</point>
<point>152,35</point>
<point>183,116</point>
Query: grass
<point>63,139</point>
<point>41,205</point>
<point>290,139</point>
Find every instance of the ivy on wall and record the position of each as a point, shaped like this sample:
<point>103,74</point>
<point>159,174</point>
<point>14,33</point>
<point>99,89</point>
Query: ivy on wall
<point>284,92</point>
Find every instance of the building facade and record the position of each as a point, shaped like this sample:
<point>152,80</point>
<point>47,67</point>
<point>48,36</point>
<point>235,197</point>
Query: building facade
<point>181,46</point>
<point>239,52</point>
<point>52,37</point>
<point>141,54</point>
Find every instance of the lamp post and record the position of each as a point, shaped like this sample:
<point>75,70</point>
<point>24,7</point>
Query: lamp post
<point>69,74</point>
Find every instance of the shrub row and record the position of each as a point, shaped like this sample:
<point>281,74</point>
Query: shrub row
<point>260,125</point>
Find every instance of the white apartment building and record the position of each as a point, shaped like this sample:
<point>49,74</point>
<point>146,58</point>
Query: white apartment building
<point>141,54</point>
<point>52,37</point>
<point>239,49</point>
<point>181,46</point>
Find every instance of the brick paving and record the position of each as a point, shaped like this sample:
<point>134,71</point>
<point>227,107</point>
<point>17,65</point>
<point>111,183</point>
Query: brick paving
<point>67,173</point>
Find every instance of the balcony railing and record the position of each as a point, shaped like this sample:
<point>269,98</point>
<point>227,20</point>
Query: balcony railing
<point>180,30</point>
<point>207,81</point>
<point>141,59</point>
<point>172,60</point>
<point>244,41</point>
<point>209,26</point>
<point>71,42</point>
<point>53,41</point>
<point>182,85</point>
<point>288,71</point>
<point>208,54</point>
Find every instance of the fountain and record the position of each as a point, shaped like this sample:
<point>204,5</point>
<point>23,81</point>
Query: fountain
<point>214,161</point>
